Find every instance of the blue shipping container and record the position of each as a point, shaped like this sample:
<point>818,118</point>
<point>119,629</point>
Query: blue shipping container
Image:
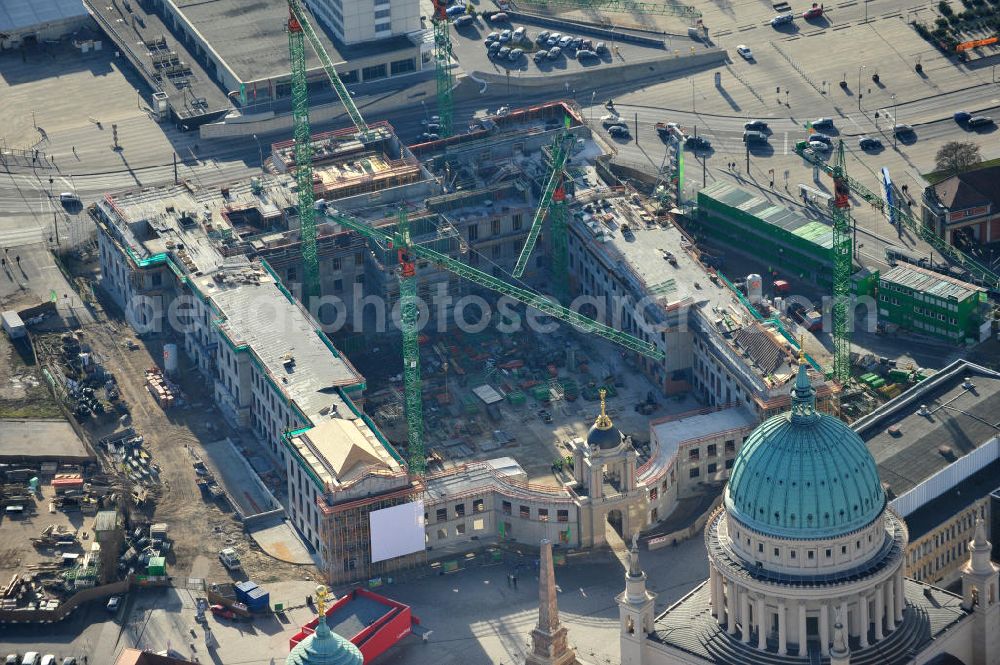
<point>243,590</point>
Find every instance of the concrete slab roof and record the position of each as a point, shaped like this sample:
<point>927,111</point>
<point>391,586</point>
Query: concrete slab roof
<point>683,428</point>
<point>21,14</point>
<point>961,420</point>
<point>299,361</point>
<point>40,440</point>
<point>250,37</point>
<point>474,476</point>
<point>958,498</point>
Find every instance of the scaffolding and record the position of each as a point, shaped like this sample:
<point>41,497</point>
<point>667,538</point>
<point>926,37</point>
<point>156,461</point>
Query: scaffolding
<point>345,532</point>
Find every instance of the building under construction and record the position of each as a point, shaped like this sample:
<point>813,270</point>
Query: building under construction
<point>286,375</point>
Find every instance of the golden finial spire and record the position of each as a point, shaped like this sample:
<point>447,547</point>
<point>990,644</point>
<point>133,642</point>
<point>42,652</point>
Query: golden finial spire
<point>802,349</point>
<point>321,594</point>
<point>603,421</point>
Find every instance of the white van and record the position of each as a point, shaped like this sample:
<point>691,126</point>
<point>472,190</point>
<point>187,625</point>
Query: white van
<point>31,658</point>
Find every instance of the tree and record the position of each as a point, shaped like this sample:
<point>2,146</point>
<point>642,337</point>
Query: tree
<point>956,157</point>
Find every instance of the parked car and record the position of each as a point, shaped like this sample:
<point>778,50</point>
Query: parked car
<point>515,54</point>
<point>499,17</point>
<point>432,127</point>
<point>11,659</point>
<point>869,143</point>
<point>822,138</point>
<point>813,12</point>
<point>223,612</point>
<point>619,131</point>
<point>433,120</point>
<point>554,52</point>
<point>745,51</point>
<point>492,49</point>
<point>47,659</point>
<point>542,37</point>
<point>584,54</point>
<point>554,38</point>
<point>113,603</point>
<point>588,44</point>
<point>782,19</point>
<point>540,55</point>
<point>601,48</point>
<point>697,143</point>
<point>980,121</point>
<point>31,658</point>
<point>505,36</point>
<point>565,41</point>
<point>822,123</point>
<point>819,146</point>
<point>503,52</point>
<point>69,660</point>
<point>611,119</point>
<point>429,136</point>
<point>520,33</point>
<point>464,20</point>
<point>577,43</point>
<point>493,36</point>
<point>455,11</point>
<point>755,125</point>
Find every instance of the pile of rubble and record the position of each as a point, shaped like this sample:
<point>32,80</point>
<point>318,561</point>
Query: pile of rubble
<point>124,452</point>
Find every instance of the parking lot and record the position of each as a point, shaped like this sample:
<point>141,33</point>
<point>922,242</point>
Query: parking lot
<point>537,57</point>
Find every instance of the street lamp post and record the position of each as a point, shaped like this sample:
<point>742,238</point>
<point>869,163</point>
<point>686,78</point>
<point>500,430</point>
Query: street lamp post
<point>860,69</point>
<point>260,153</point>
<point>895,121</point>
<point>692,97</point>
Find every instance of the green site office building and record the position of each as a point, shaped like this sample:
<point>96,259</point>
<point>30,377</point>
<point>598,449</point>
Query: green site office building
<point>926,302</point>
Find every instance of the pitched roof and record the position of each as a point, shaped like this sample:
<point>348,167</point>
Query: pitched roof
<point>969,189</point>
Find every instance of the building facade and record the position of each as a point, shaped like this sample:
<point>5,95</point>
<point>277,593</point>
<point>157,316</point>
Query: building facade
<point>965,209</point>
<point>355,21</point>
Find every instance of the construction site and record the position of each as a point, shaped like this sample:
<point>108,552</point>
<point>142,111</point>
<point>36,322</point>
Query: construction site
<point>376,357</point>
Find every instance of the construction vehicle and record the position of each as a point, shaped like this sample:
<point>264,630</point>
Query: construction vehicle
<point>230,560</point>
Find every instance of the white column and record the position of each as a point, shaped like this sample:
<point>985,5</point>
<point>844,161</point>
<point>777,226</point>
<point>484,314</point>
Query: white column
<point>761,623</point>
<point>744,617</point>
<point>900,599</point>
<point>863,605</point>
<point>890,605</point>
<point>845,617</point>
<point>713,587</point>
<point>824,628</point>
<point>879,612</point>
<point>782,630</point>
<point>731,607</point>
<point>802,629</point>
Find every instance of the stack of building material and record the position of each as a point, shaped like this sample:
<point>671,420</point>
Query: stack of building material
<point>161,388</point>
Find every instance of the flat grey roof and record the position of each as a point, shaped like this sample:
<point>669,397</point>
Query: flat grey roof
<point>961,496</point>
<point>935,284</point>
<point>250,37</point>
<point>961,419</point>
<point>20,14</point>
<point>40,440</point>
<point>258,314</point>
<point>477,475</point>
<point>703,424</point>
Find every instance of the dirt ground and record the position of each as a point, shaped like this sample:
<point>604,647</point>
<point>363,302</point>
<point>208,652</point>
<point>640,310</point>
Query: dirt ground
<point>23,392</point>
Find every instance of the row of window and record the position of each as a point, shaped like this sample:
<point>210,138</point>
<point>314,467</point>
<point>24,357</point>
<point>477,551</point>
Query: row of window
<point>940,317</point>
<point>711,450</point>
<point>695,471</point>
<point>524,512</point>
<point>944,303</point>
<point>496,227</point>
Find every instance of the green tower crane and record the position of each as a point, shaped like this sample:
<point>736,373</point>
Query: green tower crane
<point>407,254</point>
<point>408,315</point>
<point>302,134</point>
<point>299,30</point>
<point>843,261</point>
<point>442,65</point>
<point>553,204</point>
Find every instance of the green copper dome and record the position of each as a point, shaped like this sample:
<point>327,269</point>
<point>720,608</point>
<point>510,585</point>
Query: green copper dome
<point>324,647</point>
<point>804,474</point>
